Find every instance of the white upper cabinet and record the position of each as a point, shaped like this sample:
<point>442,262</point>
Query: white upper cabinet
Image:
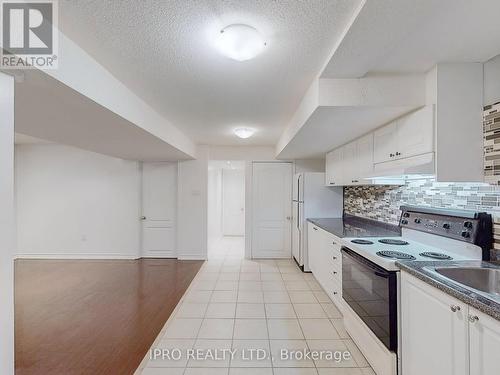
<point>386,147</point>
<point>364,155</point>
<point>385,143</point>
<point>406,137</point>
<point>350,164</point>
<point>334,167</point>
<point>443,138</point>
<point>415,134</point>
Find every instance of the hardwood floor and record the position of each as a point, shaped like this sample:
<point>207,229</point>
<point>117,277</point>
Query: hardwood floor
<point>93,317</point>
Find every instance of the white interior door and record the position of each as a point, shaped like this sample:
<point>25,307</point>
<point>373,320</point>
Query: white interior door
<point>233,202</point>
<point>159,202</point>
<point>271,210</point>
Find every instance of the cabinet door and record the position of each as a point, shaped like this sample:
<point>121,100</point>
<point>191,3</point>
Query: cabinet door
<point>416,133</point>
<point>334,167</point>
<point>484,343</point>
<point>313,245</point>
<point>385,143</point>
<point>433,330</point>
<point>350,173</point>
<point>364,154</point>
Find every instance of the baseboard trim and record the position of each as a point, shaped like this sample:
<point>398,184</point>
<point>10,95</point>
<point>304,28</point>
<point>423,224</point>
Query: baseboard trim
<point>192,257</point>
<point>76,256</point>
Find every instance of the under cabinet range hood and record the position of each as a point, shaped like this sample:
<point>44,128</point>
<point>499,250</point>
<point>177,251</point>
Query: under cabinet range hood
<point>412,168</point>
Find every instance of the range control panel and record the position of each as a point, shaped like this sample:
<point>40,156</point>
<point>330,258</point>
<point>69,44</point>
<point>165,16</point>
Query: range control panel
<point>458,228</point>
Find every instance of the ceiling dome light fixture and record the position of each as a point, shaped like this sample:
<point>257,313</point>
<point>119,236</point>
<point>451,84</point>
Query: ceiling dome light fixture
<point>240,42</point>
<point>244,132</point>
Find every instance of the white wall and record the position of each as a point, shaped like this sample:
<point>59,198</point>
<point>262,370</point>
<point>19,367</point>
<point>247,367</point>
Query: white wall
<point>310,165</point>
<point>7,224</point>
<point>73,203</point>
<point>192,207</point>
<point>492,81</point>
<point>214,203</point>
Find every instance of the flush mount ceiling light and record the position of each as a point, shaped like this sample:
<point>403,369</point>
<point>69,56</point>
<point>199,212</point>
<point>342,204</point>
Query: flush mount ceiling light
<point>240,42</point>
<point>244,132</point>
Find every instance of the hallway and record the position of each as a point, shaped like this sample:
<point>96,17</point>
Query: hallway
<point>226,248</point>
<point>238,304</point>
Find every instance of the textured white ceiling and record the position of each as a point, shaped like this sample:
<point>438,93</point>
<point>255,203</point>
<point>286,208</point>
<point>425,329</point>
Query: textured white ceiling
<point>161,50</point>
<point>411,36</point>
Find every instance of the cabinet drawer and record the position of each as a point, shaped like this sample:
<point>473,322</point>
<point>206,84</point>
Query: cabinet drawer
<point>333,255</point>
<point>335,291</point>
<point>336,275</point>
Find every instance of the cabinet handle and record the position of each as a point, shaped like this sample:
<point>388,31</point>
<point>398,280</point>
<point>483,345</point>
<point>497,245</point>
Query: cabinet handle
<point>334,258</point>
<point>315,228</point>
<point>454,308</point>
<point>335,293</point>
<point>473,318</point>
<point>332,183</point>
<point>391,155</point>
<point>335,272</point>
<point>334,243</point>
<point>398,153</point>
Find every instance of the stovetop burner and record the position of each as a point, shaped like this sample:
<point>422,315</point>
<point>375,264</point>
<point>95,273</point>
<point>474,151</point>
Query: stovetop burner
<point>362,242</point>
<point>392,241</point>
<point>433,255</point>
<point>395,255</point>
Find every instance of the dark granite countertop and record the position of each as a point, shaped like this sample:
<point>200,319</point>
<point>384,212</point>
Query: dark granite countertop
<point>354,226</point>
<point>480,302</point>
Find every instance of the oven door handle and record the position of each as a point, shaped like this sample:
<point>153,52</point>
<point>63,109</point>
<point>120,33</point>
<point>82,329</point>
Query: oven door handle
<point>377,270</point>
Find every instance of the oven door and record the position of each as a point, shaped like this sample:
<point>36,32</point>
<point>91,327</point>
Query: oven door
<point>371,292</point>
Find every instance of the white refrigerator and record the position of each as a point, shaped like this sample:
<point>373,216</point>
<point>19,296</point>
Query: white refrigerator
<point>311,199</point>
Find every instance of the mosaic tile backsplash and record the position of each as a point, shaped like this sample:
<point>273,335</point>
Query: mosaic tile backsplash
<point>382,202</point>
<point>491,134</point>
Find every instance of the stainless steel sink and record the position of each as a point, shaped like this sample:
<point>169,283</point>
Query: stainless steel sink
<point>484,281</point>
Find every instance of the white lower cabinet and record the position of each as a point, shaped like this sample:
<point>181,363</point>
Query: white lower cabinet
<point>484,332</point>
<point>434,337</point>
<point>325,261</point>
<point>441,335</point>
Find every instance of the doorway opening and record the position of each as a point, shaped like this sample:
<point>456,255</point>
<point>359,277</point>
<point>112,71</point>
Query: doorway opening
<point>226,209</point>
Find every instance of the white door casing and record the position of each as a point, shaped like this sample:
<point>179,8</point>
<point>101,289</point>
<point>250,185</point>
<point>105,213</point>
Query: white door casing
<point>233,202</point>
<point>271,210</point>
<point>296,232</point>
<point>159,202</point>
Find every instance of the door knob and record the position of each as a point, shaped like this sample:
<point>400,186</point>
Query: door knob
<point>143,217</point>
<point>473,318</point>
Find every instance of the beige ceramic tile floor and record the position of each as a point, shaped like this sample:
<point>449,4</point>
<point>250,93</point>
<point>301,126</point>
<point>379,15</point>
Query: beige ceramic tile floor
<point>237,304</point>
